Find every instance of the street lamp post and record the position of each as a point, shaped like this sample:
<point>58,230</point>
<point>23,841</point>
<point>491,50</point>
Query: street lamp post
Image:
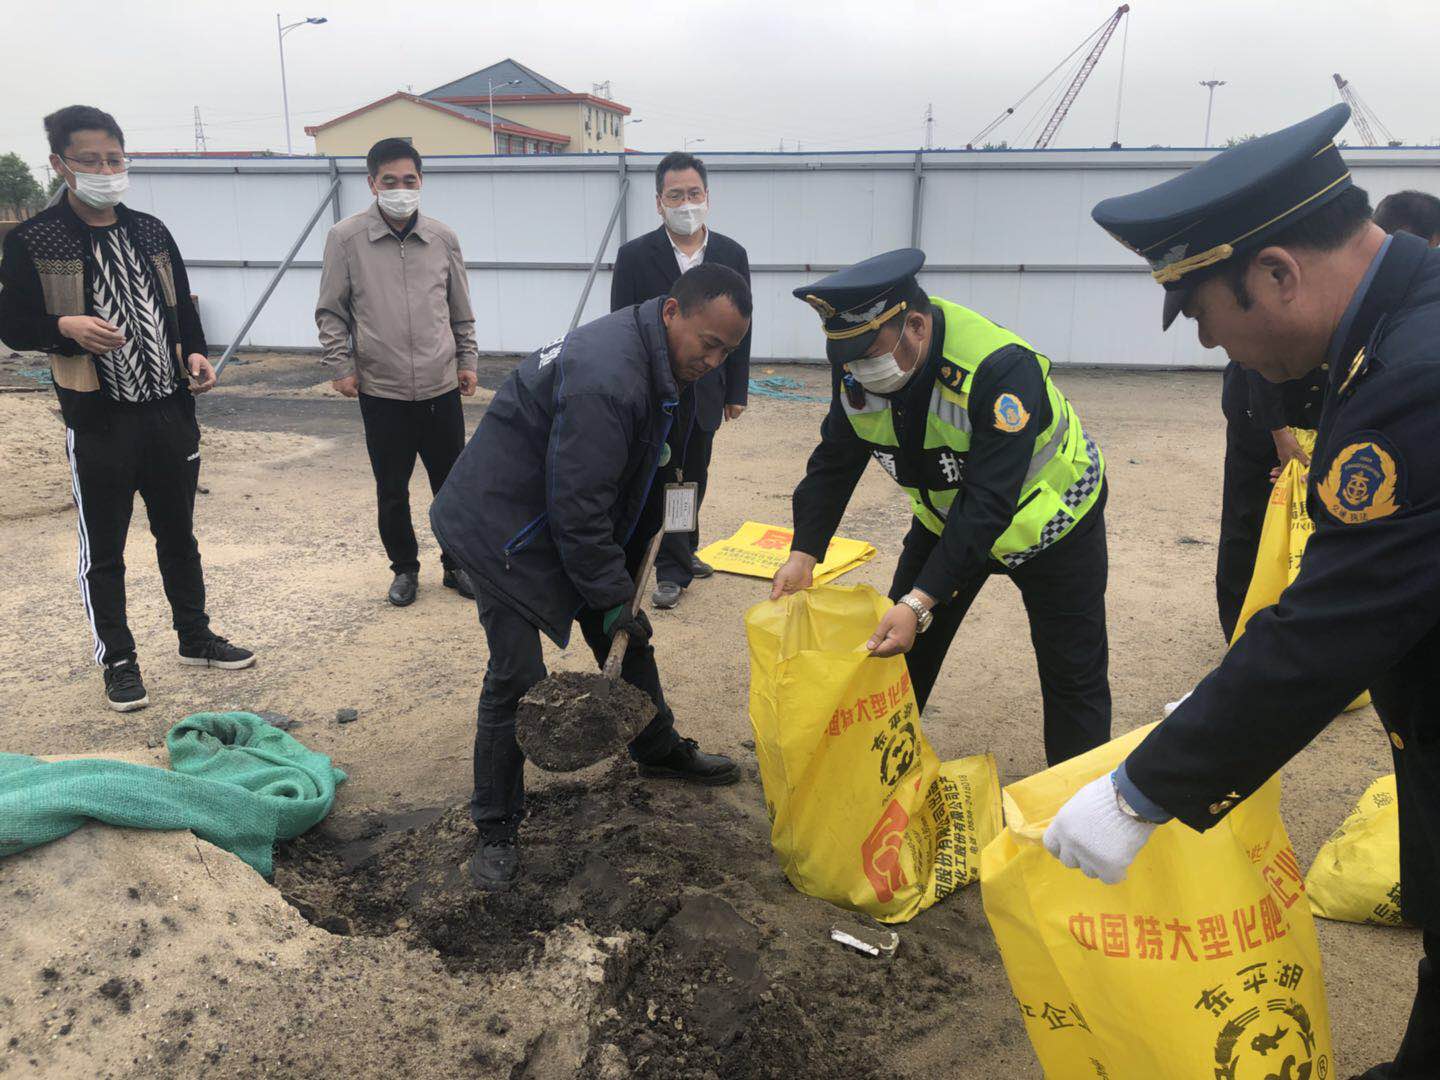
<point>491,87</point>
<point>1210,84</point>
<point>280,32</point>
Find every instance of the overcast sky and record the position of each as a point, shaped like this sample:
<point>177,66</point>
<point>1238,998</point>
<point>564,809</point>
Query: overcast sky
<point>741,74</point>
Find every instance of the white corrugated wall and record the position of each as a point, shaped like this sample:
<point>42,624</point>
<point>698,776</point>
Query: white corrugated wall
<point>1008,233</point>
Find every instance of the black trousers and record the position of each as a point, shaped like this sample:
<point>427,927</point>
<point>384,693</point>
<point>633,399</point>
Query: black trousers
<point>677,550</point>
<point>395,432</point>
<point>497,805</point>
<point>1249,458</point>
<point>1063,589</point>
<point>1419,1055</point>
<point>152,449</point>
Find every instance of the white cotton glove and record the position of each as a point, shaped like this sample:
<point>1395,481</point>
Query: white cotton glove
<point>1093,835</point>
<point>1171,706</point>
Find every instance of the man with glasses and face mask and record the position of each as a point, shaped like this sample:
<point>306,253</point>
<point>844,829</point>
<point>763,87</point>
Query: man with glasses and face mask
<point>396,325</point>
<point>103,289</point>
<point>647,267</point>
<point>1000,475</point>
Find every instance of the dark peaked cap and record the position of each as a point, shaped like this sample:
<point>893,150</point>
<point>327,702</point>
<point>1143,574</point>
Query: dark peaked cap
<point>1231,204</point>
<point>856,302</point>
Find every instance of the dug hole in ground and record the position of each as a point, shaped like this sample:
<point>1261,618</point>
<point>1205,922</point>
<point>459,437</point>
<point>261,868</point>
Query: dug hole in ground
<point>653,934</point>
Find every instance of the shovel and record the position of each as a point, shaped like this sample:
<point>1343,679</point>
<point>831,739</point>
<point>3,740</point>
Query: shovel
<point>572,719</point>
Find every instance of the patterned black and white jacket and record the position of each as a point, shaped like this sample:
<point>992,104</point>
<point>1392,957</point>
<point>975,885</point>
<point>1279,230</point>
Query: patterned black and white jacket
<point>48,272</point>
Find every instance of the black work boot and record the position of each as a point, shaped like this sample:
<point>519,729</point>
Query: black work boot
<point>456,578</point>
<point>496,862</point>
<point>403,588</point>
<point>688,762</point>
<point>124,692</point>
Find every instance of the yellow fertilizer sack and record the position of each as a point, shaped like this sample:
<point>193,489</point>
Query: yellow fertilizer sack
<point>1202,963</point>
<point>1356,874</point>
<point>759,550</point>
<point>1283,536</point>
<point>862,812</point>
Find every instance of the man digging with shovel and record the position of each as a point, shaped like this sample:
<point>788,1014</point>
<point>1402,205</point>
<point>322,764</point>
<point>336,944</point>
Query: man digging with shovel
<point>551,508</point>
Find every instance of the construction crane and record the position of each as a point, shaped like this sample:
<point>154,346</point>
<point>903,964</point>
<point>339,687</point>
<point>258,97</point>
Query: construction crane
<point>1362,116</point>
<point>1096,40</point>
<point>201,145</point>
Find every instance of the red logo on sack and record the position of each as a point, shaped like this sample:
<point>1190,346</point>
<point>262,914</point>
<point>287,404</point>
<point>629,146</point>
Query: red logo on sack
<point>775,539</point>
<point>880,853</point>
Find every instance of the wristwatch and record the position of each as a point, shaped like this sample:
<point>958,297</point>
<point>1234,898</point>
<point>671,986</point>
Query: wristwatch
<point>1125,807</point>
<point>923,615</point>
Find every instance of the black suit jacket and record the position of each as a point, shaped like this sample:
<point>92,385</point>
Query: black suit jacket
<point>645,268</point>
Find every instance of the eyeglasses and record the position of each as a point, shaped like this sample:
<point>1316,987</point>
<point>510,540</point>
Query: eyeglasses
<point>93,162</point>
<point>676,196</point>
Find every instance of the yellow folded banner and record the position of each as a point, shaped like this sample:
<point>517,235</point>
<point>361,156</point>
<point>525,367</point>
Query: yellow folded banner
<point>759,550</point>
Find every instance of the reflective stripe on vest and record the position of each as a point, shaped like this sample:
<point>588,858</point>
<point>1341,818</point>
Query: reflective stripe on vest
<point>1066,466</point>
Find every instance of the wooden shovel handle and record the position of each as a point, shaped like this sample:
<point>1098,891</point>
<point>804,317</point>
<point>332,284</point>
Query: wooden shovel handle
<point>621,641</point>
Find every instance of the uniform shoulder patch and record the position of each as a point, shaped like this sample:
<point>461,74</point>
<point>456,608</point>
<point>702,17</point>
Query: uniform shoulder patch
<point>1010,414</point>
<point>1362,483</point>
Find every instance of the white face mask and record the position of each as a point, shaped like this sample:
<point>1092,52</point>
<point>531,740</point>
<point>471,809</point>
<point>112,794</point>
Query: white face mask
<point>101,190</point>
<point>880,374</point>
<point>399,203</point>
<point>688,219</point>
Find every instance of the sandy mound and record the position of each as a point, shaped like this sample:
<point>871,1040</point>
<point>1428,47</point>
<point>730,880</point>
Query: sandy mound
<point>32,456</point>
<point>37,472</point>
<point>482,395</point>
<point>133,953</point>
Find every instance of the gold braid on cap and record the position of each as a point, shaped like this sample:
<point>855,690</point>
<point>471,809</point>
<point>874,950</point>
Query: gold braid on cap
<point>1176,270</point>
<point>865,328</point>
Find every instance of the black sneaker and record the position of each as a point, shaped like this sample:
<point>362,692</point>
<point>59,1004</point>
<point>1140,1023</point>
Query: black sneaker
<point>666,595</point>
<point>496,863</point>
<point>215,651</point>
<point>124,692</point>
<point>688,762</point>
<point>457,579</point>
<point>403,588</point>
<point>700,569</point>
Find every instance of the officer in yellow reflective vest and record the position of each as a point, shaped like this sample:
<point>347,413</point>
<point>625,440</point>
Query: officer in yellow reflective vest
<point>1001,477</point>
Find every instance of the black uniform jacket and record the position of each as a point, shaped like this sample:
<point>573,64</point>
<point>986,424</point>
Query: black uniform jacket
<point>645,268</point>
<point>988,478</point>
<point>1365,609</point>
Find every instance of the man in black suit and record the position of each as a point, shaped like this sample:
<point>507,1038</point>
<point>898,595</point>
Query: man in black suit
<point>647,267</point>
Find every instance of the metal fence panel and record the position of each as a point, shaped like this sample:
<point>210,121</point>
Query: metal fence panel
<point>1008,233</point>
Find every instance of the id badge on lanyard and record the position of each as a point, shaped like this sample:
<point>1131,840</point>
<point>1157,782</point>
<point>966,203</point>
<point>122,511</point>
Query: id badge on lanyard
<point>682,508</point>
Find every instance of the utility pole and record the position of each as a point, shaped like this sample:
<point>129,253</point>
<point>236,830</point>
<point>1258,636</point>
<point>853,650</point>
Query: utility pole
<point>930,126</point>
<point>200,145</point>
<point>280,32</point>
<point>1210,84</point>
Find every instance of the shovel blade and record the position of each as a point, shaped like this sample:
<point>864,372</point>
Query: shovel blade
<point>570,720</point>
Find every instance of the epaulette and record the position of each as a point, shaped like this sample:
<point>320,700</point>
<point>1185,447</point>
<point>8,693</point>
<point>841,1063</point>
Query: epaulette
<point>1359,367</point>
<point>951,375</point>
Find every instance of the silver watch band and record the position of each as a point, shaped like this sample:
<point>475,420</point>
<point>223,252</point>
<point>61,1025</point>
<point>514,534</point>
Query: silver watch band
<point>923,617</point>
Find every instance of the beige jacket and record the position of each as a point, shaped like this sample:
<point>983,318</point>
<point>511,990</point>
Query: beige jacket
<point>396,313</point>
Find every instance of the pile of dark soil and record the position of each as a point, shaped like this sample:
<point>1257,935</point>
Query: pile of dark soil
<point>729,972</point>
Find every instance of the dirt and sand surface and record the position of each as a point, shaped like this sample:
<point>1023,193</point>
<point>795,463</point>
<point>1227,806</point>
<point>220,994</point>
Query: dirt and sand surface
<point>653,934</point>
